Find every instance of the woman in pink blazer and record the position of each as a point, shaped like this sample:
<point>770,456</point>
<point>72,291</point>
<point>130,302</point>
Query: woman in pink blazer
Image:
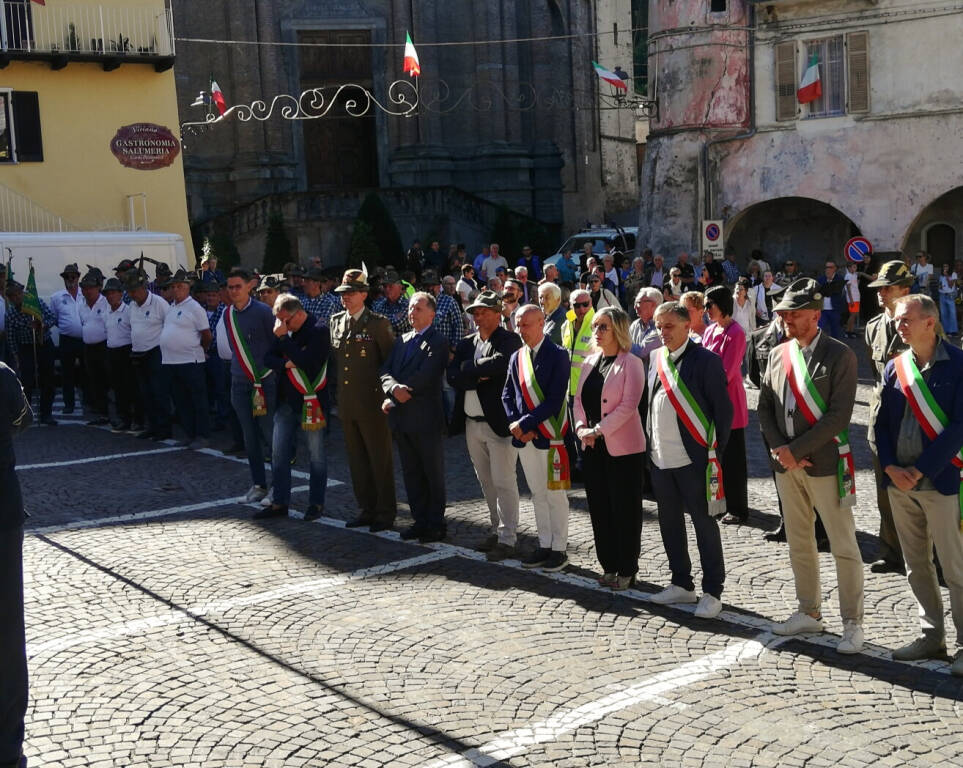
<point>608,424</point>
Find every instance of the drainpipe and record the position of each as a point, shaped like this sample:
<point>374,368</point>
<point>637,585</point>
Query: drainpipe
<point>706,181</point>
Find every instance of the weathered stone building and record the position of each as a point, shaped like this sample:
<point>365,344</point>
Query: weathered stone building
<point>879,155</point>
<point>514,124</point>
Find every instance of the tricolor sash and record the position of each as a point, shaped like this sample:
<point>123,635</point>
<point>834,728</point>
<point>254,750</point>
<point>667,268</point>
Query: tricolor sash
<point>312,416</point>
<point>812,405</point>
<point>929,414</point>
<point>246,360</point>
<point>553,428</point>
<point>697,424</point>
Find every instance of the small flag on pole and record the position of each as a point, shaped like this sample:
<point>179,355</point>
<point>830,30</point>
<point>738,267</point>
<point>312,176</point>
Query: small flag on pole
<point>31,301</point>
<point>811,87</point>
<point>40,2</point>
<point>411,64</point>
<point>218,97</point>
<point>610,77</point>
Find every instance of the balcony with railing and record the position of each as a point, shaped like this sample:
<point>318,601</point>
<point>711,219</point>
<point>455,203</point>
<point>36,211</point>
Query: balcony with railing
<point>107,35</point>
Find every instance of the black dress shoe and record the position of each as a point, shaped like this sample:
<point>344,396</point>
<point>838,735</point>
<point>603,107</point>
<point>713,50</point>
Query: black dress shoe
<point>777,535</point>
<point>412,532</point>
<point>823,545</point>
<point>359,522</point>
<point>275,510</point>
<point>48,421</point>
<point>98,421</point>
<point>887,566</point>
<point>432,534</point>
<point>378,526</point>
<point>314,512</point>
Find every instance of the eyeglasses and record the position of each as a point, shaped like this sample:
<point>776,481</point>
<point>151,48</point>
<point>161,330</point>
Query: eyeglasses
<point>601,328</point>
<point>582,304</point>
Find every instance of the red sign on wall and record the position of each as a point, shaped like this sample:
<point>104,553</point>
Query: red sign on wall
<point>145,146</point>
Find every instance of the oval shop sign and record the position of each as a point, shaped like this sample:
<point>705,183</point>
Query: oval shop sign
<point>145,146</point>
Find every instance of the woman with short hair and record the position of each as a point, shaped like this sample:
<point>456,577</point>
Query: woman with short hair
<point>608,424</point>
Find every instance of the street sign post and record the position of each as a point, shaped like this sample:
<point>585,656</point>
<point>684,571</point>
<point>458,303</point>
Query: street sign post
<point>858,250</point>
<point>712,237</point>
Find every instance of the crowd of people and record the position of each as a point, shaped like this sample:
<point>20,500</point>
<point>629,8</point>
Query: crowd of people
<point>629,380</point>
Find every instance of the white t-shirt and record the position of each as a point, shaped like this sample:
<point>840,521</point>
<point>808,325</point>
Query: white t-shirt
<point>945,284</point>
<point>118,327</point>
<point>67,310</point>
<point>93,320</point>
<point>852,287</point>
<point>147,322</point>
<point>491,264</point>
<point>180,341</point>
<point>923,275</point>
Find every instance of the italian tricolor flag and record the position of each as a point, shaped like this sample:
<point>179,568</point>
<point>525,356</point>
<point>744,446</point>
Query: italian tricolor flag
<point>217,97</point>
<point>411,64</point>
<point>811,87</point>
<point>609,77</point>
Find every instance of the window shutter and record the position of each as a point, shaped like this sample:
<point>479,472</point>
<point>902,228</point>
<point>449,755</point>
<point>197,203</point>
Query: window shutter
<point>786,105</point>
<point>26,127</point>
<point>857,51</point>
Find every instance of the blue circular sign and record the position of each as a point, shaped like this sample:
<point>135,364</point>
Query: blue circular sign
<point>712,232</point>
<point>858,250</point>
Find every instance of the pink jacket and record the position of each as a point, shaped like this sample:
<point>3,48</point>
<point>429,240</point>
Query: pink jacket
<point>621,424</point>
<point>730,344</point>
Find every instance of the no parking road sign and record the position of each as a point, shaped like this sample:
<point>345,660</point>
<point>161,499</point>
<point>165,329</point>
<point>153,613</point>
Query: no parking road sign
<point>858,250</point>
<point>712,239</point>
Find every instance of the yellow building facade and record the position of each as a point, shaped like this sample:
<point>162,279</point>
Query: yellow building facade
<point>90,137</point>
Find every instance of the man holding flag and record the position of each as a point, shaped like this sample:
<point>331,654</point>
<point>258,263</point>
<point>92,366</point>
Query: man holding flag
<point>28,325</point>
<point>919,434</point>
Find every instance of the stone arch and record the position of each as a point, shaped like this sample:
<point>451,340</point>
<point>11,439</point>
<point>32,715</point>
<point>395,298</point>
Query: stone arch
<point>938,228</point>
<point>803,229</point>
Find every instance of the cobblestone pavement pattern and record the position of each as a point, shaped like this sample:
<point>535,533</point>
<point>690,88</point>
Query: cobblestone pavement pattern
<point>166,628</point>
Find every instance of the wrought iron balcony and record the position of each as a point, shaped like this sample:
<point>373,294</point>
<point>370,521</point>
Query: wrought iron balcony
<point>107,35</point>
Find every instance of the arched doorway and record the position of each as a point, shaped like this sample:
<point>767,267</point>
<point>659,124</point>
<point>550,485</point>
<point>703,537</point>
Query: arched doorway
<point>799,228</point>
<point>938,230</point>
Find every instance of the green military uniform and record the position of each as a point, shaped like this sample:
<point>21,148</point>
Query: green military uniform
<point>884,344</point>
<point>360,347</point>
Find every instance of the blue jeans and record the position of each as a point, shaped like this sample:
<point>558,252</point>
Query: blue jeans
<point>287,425</point>
<point>948,312</point>
<point>829,321</point>
<point>188,387</point>
<point>256,431</point>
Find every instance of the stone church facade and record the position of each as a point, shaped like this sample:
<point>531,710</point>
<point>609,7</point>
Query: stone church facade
<point>498,124</point>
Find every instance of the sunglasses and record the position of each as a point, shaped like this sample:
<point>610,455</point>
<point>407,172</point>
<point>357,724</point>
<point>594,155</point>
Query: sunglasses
<point>582,304</point>
<point>601,328</point>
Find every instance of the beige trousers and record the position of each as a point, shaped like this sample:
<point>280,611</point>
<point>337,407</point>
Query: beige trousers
<point>494,459</point>
<point>551,507</point>
<point>925,518</point>
<point>799,493</point>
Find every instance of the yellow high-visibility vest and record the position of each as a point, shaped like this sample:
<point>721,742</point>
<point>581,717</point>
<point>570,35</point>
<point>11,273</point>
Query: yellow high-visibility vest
<point>578,345</point>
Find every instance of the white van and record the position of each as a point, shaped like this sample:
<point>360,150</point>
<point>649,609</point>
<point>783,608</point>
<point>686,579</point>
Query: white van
<point>52,251</point>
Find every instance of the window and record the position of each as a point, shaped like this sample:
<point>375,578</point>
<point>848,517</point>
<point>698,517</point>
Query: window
<point>20,139</point>
<point>717,6</point>
<point>843,62</point>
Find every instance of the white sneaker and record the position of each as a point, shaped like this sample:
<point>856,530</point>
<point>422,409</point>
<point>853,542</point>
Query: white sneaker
<point>852,641</point>
<point>709,607</point>
<point>256,493</point>
<point>798,623</point>
<point>673,595</point>
<point>268,500</point>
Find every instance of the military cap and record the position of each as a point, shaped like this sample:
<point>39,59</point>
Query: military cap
<point>93,278</point>
<point>486,300</point>
<point>391,278</point>
<point>113,284</point>
<point>124,265</point>
<point>353,280</point>
<point>429,277</point>
<point>800,294</point>
<point>162,270</point>
<point>70,269</point>
<point>135,279</point>
<point>315,273</point>
<point>893,273</point>
<point>181,276</point>
<point>268,283</point>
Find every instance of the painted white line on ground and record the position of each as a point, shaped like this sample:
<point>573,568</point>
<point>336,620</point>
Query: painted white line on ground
<point>515,742</point>
<point>134,517</point>
<point>294,472</point>
<point>215,607</point>
<point>93,459</point>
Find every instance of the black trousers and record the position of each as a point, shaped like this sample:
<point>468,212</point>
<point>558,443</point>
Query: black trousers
<point>154,392</point>
<point>38,374</point>
<point>613,487</point>
<point>13,644</point>
<point>423,469</point>
<point>95,369</point>
<point>124,383</point>
<point>735,474</point>
<point>684,490</point>
<point>71,367</point>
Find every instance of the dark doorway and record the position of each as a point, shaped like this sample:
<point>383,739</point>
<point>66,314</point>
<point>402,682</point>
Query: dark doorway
<point>941,244</point>
<point>340,150</point>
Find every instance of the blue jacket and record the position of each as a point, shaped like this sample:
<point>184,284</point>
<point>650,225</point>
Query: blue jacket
<point>836,290</point>
<point>934,462</point>
<point>421,369</point>
<point>552,371</point>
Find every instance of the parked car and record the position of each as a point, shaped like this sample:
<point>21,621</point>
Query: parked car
<point>600,237</point>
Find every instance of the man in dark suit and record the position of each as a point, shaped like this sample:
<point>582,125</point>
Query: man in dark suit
<point>832,287</point>
<point>530,417</point>
<point>550,300</point>
<point>15,416</point>
<point>680,459</point>
<point>411,379</point>
<point>805,407</point>
<point>477,373</point>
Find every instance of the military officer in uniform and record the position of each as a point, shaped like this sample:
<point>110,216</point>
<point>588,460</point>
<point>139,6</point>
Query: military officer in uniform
<point>362,341</point>
<point>884,344</point>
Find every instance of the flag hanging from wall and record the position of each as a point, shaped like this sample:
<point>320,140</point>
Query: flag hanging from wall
<point>411,65</point>
<point>218,97</point>
<point>811,87</point>
<point>610,77</point>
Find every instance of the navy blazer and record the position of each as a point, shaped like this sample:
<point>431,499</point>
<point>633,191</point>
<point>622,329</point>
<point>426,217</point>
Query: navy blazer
<point>835,290</point>
<point>934,462</point>
<point>308,348</point>
<point>702,372</point>
<point>422,372</point>
<point>552,372</point>
<point>465,372</point>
